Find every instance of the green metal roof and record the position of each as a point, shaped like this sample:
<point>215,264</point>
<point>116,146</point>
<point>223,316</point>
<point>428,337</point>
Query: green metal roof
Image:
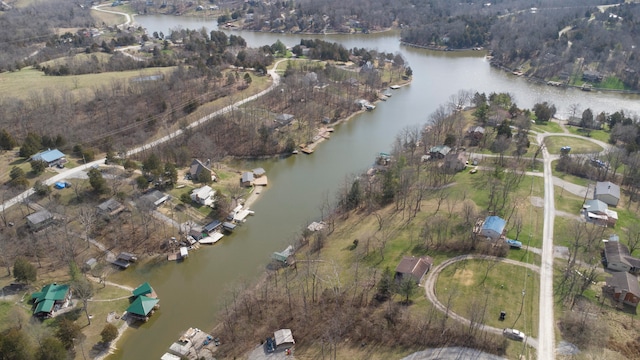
<point>142,305</point>
<point>143,289</point>
<point>44,306</point>
<point>53,292</point>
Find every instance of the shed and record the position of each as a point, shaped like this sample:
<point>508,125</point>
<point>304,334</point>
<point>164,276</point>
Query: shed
<point>110,207</point>
<point>493,227</point>
<point>39,219</point>
<point>246,179</point>
<point>284,338</point>
<point>228,226</point>
<point>91,263</point>
<point>607,192</point>
<point>413,267</point>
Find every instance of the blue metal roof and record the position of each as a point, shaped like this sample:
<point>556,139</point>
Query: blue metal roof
<point>494,223</point>
<point>48,155</point>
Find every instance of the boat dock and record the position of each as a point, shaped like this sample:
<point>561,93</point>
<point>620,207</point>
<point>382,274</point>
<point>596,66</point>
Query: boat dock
<point>193,344</point>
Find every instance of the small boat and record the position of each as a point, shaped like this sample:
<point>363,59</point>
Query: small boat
<point>295,152</point>
<point>307,151</point>
<point>394,87</point>
<point>369,107</point>
<point>387,93</point>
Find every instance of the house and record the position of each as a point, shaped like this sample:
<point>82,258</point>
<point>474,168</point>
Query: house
<point>197,167</point>
<point>623,287</point>
<point>439,152</point>
<point>413,267</point>
<point>454,162</point>
<point>616,257</point>
<point>607,192</point>
<point>50,299</point>
<point>124,259</point>
<point>212,226</point>
<point>142,307</point>
<point>39,220</point>
<point>152,199</point>
<point>51,157</point>
<point>284,339</point>
<point>110,208</point>
<point>493,227</point>
<point>592,76</point>
<point>476,132</point>
<point>284,119</point>
<point>203,196</point>
<point>145,290</point>
<point>598,212</point>
<point>246,179</point>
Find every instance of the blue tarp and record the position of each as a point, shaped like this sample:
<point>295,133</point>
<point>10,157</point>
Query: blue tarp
<point>60,185</point>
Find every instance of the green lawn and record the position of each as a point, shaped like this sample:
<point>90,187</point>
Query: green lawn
<point>549,126</point>
<point>601,135</point>
<point>568,177</point>
<point>19,84</point>
<point>578,146</point>
<point>465,285</point>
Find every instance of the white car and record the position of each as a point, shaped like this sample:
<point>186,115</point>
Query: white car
<point>513,334</point>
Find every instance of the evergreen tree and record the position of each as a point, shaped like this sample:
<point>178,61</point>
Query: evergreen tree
<point>7,142</point>
<point>24,271</point>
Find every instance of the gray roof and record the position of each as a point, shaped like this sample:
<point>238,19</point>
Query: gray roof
<point>39,217</point>
<point>596,206</point>
<point>607,187</point>
<point>617,251</point>
<point>624,281</point>
<point>258,172</point>
<point>109,205</point>
<point>247,177</point>
<point>284,118</point>
<point>196,168</point>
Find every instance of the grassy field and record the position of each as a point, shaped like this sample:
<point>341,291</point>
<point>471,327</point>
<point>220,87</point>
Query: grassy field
<point>549,126</point>
<point>578,146</point>
<point>601,135</point>
<point>505,287</point>
<point>19,84</point>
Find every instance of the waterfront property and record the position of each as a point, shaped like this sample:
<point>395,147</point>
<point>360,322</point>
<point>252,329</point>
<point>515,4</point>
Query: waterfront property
<point>146,290</point>
<point>196,169</point>
<point>50,299</point>
<point>247,179</point>
<point>203,196</point>
<point>142,308</point>
<point>124,259</point>
<point>190,345</point>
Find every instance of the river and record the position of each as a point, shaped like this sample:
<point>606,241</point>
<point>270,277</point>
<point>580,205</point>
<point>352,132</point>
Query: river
<point>192,292</point>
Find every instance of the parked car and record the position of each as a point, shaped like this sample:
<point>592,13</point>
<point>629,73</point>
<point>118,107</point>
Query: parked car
<point>513,334</point>
<point>514,243</point>
<point>271,345</point>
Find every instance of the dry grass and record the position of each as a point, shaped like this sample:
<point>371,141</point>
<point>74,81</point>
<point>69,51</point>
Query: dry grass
<point>21,83</point>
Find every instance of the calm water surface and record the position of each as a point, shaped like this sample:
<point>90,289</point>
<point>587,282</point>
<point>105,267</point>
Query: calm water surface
<point>192,292</point>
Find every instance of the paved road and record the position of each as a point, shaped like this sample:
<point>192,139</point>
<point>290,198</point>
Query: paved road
<point>69,173</point>
<point>546,325</point>
<point>432,278</point>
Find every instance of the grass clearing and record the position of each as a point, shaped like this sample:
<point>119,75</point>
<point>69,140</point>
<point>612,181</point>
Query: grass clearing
<point>549,127</point>
<point>601,135</point>
<point>20,84</point>
<point>578,146</point>
<point>505,287</point>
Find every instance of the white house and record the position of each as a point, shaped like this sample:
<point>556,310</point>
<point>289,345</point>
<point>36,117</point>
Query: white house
<point>607,192</point>
<point>203,196</point>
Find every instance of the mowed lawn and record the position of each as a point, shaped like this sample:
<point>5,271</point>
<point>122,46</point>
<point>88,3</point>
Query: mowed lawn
<point>21,83</point>
<point>578,146</point>
<point>509,288</point>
